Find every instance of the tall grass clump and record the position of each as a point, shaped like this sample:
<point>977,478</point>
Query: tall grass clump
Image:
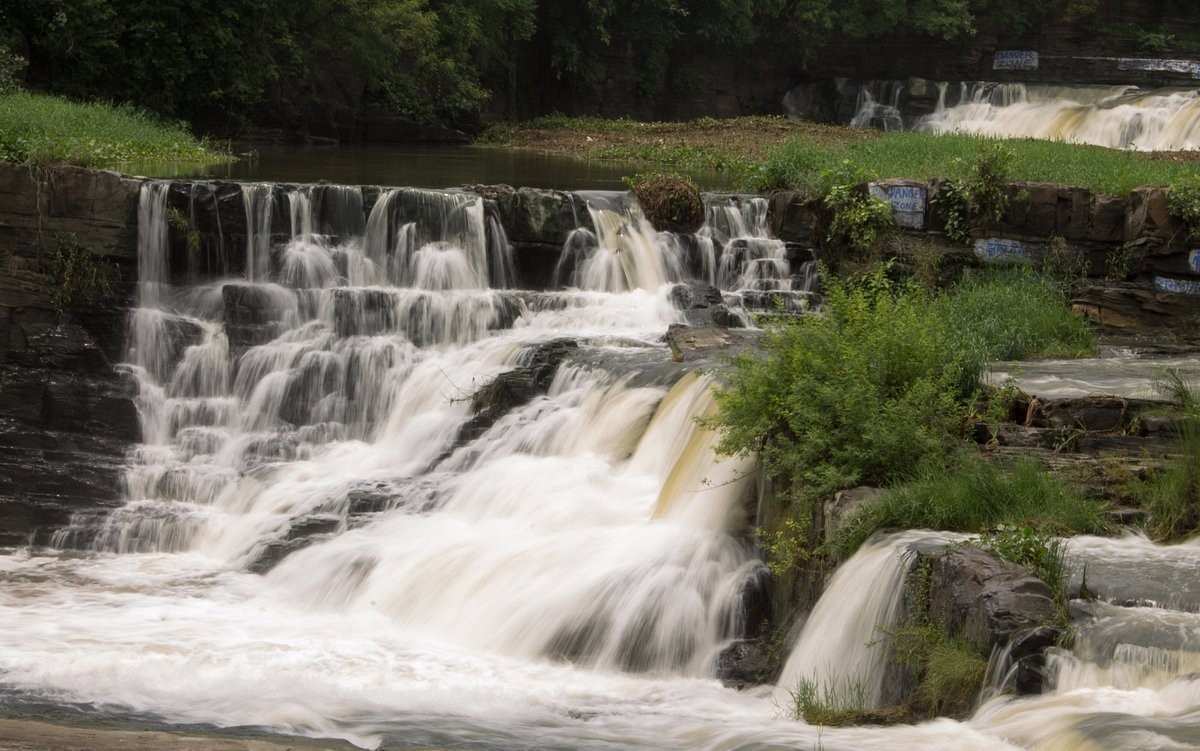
<point>949,672</point>
<point>1014,314</point>
<point>973,495</point>
<point>1171,496</point>
<point>836,702</point>
<point>40,129</point>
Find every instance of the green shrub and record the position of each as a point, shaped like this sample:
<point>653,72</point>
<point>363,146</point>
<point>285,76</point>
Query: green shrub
<point>1183,200</point>
<point>973,495</point>
<point>1042,553</point>
<point>878,390</point>
<point>670,202</point>
<point>980,198</point>
<point>858,220</point>
<point>849,397</point>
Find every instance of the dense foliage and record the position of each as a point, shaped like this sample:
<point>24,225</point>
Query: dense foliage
<point>878,390</point>
<point>429,60</point>
<point>244,58</point>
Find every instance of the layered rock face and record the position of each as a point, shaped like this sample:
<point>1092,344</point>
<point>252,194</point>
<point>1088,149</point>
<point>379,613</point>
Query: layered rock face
<point>67,416</point>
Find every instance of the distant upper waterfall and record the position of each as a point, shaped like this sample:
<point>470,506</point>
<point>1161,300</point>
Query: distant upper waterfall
<point>1119,117</point>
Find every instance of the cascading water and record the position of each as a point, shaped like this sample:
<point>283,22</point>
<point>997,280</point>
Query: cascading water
<point>1119,117</point>
<point>320,537</point>
<point>844,642</point>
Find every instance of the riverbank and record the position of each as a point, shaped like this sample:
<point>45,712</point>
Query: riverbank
<point>766,153</point>
<point>37,129</point>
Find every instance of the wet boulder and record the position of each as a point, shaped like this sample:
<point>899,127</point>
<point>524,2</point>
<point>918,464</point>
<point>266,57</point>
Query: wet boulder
<point>704,305</point>
<point>545,216</point>
<point>516,387</point>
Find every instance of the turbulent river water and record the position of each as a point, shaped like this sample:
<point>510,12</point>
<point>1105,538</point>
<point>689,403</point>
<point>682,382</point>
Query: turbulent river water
<point>1119,117</point>
<point>316,540</point>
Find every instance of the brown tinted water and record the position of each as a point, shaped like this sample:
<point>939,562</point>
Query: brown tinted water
<point>419,166</point>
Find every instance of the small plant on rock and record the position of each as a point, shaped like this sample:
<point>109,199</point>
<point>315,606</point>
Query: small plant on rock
<point>980,199</point>
<point>1183,200</point>
<point>1067,267</point>
<point>858,221</point>
<point>670,202</point>
<point>76,276</point>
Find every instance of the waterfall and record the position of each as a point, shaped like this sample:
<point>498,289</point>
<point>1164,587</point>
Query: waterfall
<point>624,253</point>
<point>258,200</point>
<point>844,640</point>
<point>1119,117</point>
<point>301,214</point>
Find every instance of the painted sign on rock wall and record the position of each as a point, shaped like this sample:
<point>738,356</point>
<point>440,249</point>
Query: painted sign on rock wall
<point>995,249</point>
<point>1189,287</point>
<point>1015,60</point>
<point>907,202</point>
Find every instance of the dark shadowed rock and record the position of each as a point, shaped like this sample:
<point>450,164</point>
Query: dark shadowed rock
<point>704,305</point>
<point>516,387</point>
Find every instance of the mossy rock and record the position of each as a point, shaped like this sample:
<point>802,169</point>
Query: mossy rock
<point>671,203</point>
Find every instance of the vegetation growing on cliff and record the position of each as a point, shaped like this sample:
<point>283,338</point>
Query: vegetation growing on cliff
<point>40,129</point>
<point>968,494</point>
<point>878,390</point>
<point>1171,495</point>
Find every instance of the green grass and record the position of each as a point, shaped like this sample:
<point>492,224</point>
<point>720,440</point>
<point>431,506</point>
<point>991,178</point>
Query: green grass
<point>972,495</point>
<point>40,129</point>
<point>950,672</point>
<point>834,703</point>
<point>1171,496</point>
<point>1014,314</point>
<point>921,156</point>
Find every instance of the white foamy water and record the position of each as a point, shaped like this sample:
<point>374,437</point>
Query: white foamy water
<point>317,539</point>
<point>1119,117</point>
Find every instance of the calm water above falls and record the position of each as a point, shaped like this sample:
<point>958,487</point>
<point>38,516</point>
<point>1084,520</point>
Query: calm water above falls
<point>315,541</point>
<point>420,166</point>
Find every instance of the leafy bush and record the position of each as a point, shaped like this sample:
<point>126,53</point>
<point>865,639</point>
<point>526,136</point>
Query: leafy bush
<point>670,202</point>
<point>1183,200</point>
<point>1067,267</point>
<point>981,197</point>
<point>858,220</point>
<point>1042,553</point>
<point>849,397</point>
<point>973,495</point>
<point>880,386</point>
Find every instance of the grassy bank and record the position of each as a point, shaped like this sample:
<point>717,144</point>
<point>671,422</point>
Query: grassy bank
<point>762,153</point>
<point>733,147</point>
<point>40,129</point>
